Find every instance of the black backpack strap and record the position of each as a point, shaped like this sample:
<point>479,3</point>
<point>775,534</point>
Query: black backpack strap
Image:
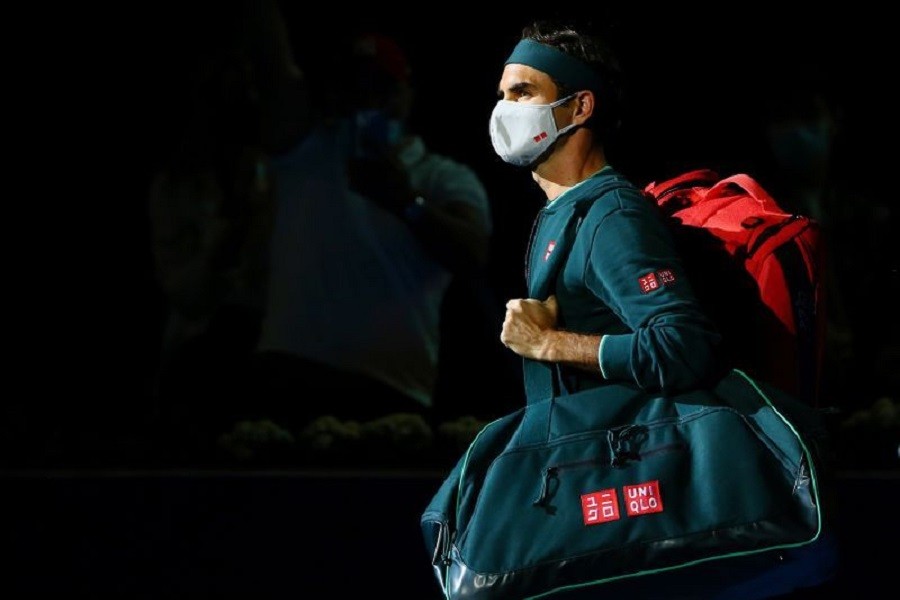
<point>803,305</point>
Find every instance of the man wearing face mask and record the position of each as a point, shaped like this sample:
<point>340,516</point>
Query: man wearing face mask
<point>609,300</point>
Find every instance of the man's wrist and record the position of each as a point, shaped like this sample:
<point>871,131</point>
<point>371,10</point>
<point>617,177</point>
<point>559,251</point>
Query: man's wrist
<point>570,348</point>
<point>549,348</point>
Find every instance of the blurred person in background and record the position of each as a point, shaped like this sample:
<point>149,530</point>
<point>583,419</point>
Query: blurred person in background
<point>369,229</point>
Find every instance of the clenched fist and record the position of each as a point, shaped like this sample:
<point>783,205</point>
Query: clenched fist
<point>529,325</point>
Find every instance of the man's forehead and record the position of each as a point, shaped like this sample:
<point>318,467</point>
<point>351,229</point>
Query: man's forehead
<point>516,74</point>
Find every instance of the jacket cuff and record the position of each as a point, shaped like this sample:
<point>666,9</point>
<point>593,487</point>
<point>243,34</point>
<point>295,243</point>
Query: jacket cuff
<point>615,356</point>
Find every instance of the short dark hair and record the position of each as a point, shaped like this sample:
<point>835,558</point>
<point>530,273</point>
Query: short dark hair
<point>588,46</point>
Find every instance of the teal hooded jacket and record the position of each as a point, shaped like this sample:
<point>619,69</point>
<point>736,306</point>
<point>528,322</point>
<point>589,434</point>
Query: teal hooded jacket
<point>606,252</point>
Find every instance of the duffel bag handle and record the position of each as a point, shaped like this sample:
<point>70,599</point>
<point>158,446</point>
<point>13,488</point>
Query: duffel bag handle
<point>535,426</point>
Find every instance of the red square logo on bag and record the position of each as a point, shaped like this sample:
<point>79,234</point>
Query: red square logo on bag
<point>642,499</point>
<point>600,507</point>
<point>648,283</point>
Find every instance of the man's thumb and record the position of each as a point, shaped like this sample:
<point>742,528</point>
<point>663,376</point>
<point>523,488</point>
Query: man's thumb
<point>551,304</point>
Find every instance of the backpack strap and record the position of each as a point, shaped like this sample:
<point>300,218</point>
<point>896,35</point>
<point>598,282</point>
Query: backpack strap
<point>803,305</point>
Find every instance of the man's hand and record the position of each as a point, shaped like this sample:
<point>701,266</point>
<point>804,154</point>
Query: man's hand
<point>529,326</point>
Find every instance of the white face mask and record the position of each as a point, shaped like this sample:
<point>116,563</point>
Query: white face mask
<point>521,132</point>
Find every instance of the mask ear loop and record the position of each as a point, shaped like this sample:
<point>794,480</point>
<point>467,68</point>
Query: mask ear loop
<point>560,102</point>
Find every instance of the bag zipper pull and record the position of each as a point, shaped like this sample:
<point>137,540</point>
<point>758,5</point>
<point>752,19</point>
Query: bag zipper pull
<point>544,495</point>
<point>442,548</point>
<point>619,441</point>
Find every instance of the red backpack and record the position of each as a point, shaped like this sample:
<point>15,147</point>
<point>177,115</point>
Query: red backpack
<point>758,270</point>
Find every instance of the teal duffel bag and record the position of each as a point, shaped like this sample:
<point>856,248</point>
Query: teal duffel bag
<point>614,487</point>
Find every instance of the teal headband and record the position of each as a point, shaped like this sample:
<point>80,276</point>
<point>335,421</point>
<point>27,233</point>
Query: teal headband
<point>567,70</point>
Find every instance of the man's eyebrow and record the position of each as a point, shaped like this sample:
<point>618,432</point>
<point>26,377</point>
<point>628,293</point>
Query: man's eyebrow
<point>518,88</point>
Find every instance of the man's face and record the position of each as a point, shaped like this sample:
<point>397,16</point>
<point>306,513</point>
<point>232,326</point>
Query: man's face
<point>521,83</point>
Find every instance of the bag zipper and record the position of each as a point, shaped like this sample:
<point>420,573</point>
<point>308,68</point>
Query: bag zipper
<point>620,456</point>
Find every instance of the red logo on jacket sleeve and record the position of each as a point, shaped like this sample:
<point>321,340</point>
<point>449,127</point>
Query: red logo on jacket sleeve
<point>648,283</point>
<point>600,507</point>
<point>666,276</point>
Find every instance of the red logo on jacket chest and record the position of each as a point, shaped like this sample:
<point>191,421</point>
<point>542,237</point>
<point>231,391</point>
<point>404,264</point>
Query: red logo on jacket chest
<point>550,248</point>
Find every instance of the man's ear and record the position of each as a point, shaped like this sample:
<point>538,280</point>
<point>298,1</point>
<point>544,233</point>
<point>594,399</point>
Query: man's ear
<point>584,107</point>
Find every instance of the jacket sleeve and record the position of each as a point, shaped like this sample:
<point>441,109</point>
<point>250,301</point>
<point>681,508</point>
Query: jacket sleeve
<point>633,267</point>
